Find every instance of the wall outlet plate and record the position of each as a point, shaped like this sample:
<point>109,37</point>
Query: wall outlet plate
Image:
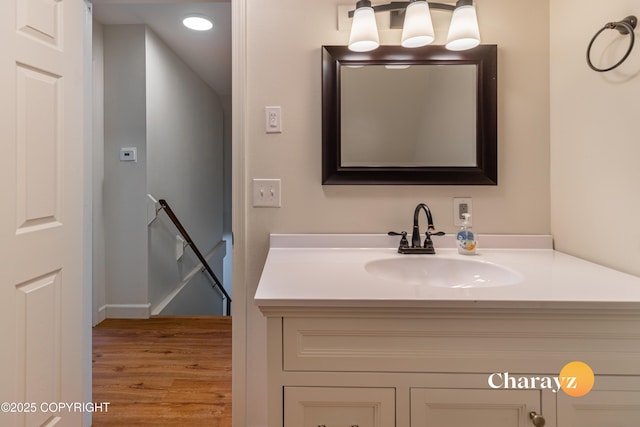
<point>462,205</point>
<point>273,119</point>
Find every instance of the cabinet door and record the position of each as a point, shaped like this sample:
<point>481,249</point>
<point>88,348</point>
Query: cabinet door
<point>600,408</point>
<point>339,407</point>
<point>471,407</point>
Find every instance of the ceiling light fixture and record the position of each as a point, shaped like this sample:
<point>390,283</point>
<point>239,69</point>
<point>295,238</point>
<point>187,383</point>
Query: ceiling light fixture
<point>197,23</point>
<point>417,30</point>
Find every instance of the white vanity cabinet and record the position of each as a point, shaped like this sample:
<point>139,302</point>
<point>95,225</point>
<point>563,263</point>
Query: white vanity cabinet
<point>410,367</point>
<point>398,350</point>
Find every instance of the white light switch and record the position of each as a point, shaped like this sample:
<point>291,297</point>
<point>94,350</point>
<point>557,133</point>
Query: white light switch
<point>266,193</point>
<point>273,119</point>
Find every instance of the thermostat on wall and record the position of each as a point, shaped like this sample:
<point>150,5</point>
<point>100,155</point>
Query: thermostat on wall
<point>129,154</point>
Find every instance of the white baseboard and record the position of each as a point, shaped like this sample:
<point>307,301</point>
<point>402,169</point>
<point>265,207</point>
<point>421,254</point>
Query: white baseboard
<point>128,311</point>
<point>101,315</point>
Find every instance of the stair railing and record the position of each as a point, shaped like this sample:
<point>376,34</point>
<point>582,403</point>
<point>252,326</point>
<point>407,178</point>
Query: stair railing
<point>189,242</point>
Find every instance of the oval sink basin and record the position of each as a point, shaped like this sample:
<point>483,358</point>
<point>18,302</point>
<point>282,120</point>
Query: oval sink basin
<point>443,272</point>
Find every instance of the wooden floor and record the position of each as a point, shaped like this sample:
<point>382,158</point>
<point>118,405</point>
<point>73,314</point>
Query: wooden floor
<point>163,371</point>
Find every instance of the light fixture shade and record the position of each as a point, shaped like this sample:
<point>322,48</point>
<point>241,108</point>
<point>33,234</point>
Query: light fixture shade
<point>463,31</point>
<point>417,29</point>
<point>364,32</point>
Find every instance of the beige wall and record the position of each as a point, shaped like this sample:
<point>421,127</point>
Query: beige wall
<point>595,148</point>
<point>283,68</point>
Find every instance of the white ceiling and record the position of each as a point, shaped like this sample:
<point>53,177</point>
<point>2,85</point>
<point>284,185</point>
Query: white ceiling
<point>208,53</point>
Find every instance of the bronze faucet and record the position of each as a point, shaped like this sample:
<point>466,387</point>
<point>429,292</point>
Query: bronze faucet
<point>416,246</point>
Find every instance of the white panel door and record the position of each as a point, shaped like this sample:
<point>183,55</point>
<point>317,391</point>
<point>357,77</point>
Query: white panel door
<point>41,210</point>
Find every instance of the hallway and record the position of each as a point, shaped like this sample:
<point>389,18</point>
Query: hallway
<point>169,371</point>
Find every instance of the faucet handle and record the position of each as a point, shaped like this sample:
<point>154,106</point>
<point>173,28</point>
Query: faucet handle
<point>404,243</point>
<point>428,243</point>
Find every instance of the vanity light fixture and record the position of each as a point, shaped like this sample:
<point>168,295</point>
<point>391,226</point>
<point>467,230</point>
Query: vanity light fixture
<point>417,30</point>
<point>197,23</point>
<point>364,31</point>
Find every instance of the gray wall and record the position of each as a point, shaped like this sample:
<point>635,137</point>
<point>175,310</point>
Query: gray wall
<point>154,102</point>
<point>125,183</point>
<point>197,298</point>
<point>185,163</point>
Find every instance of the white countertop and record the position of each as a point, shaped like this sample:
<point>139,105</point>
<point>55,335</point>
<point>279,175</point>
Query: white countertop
<point>328,271</point>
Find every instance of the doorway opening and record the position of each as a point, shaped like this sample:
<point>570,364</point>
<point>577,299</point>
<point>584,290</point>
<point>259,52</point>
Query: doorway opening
<point>162,92</point>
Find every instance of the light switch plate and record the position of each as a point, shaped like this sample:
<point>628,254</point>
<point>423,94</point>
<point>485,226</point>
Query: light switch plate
<point>266,193</point>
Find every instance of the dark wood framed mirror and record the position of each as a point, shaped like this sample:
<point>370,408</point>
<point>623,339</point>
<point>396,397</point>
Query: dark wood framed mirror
<point>409,116</point>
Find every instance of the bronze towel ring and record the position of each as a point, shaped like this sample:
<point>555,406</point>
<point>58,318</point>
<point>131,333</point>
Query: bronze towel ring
<point>624,27</point>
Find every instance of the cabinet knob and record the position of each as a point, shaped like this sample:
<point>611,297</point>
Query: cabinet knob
<point>537,420</point>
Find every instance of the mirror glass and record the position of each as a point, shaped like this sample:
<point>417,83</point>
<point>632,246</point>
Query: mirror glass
<point>440,102</point>
<point>409,116</point>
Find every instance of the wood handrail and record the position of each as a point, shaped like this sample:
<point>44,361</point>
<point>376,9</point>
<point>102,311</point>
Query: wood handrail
<point>172,216</point>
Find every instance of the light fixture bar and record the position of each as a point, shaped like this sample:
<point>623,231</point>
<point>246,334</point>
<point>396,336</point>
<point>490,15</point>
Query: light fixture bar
<point>400,5</point>
<point>417,28</point>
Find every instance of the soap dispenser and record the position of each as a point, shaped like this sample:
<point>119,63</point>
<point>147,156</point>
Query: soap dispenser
<point>465,237</point>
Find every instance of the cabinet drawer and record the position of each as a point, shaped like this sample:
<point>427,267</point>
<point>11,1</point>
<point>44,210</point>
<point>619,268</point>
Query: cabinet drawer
<point>339,406</point>
<point>443,343</point>
<point>370,345</point>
